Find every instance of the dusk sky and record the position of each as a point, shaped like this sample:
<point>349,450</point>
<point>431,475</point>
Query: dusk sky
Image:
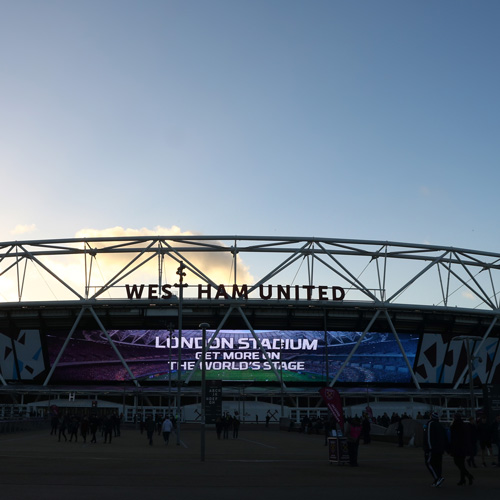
<point>367,119</point>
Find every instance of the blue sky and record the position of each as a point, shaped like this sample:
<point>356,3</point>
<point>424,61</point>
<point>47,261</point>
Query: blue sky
<point>352,119</point>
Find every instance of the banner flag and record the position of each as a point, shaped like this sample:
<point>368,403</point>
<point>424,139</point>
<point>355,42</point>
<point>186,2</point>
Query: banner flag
<point>332,399</point>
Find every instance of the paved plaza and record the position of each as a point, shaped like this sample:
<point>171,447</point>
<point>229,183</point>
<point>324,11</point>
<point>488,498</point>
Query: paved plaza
<point>263,463</point>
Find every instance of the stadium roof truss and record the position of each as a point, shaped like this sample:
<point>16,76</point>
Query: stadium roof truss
<point>289,282</point>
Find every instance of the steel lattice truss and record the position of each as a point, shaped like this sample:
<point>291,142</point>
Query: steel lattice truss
<point>390,281</point>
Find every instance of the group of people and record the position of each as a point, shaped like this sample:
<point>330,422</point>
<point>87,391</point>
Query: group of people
<point>76,425</point>
<point>227,424</point>
<point>460,441</point>
<point>159,425</point>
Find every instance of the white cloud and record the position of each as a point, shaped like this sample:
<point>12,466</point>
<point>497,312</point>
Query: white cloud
<point>469,296</point>
<point>23,229</point>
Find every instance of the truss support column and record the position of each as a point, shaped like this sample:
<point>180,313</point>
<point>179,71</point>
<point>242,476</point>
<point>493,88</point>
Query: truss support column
<point>355,348</point>
<point>110,340</point>
<point>393,329</point>
<point>212,339</point>
<point>264,352</point>
<point>66,342</point>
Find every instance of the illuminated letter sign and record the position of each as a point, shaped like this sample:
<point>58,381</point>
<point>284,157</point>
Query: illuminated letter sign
<point>233,292</point>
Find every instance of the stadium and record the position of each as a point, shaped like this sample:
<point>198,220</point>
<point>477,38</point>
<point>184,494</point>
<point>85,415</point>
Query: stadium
<point>116,322</point>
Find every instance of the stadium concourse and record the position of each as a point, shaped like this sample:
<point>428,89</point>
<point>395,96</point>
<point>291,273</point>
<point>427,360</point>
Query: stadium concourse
<point>264,463</point>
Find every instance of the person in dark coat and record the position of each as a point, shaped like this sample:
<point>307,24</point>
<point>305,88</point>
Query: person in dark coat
<point>366,429</point>
<point>496,437</point>
<point>471,433</point>
<point>459,443</point>
<point>218,427</point>
<point>236,427</point>
<point>400,431</point>
<point>484,434</point>
<point>54,422</point>
<point>94,425</point>
<point>353,431</point>
<point>150,429</point>
<point>63,425</point>
<point>435,444</point>
<point>108,428</point>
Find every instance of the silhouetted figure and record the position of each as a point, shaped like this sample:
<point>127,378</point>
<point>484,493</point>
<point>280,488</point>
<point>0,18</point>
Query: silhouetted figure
<point>366,428</point>
<point>84,428</point>
<point>400,431</point>
<point>166,429</point>
<point>484,434</point>
<point>435,444</point>
<point>108,428</point>
<point>94,425</point>
<point>150,429</point>
<point>218,427</point>
<point>353,430</point>
<point>236,427</point>
<point>73,428</point>
<point>63,423</point>
<point>471,442</point>
<point>54,423</point>
<point>458,448</point>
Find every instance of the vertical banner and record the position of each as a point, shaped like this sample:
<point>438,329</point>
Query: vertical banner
<point>331,397</point>
<point>213,401</point>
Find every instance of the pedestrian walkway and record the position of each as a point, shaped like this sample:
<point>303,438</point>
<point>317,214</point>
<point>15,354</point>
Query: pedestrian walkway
<point>263,463</point>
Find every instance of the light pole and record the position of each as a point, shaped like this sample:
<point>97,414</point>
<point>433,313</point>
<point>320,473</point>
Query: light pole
<point>470,358</point>
<point>204,327</point>
<point>170,373</point>
<point>181,274</point>
<point>281,375</point>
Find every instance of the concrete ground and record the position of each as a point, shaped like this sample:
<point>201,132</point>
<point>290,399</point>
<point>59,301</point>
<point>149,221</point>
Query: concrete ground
<point>263,463</point>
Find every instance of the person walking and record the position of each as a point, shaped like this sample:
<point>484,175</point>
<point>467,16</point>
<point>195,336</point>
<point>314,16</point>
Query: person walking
<point>484,434</point>
<point>400,431</point>
<point>366,429</point>
<point>471,435</point>
<point>84,428</point>
<point>459,448</point>
<point>54,422</point>
<point>63,425</point>
<point>150,429</point>
<point>94,425</point>
<point>435,444</point>
<point>218,426</point>
<point>108,428</point>
<point>495,433</point>
<point>236,427</point>
<point>166,429</point>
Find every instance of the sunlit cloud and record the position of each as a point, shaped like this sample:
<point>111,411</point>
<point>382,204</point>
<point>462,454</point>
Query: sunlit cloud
<point>119,268</point>
<point>215,265</point>
<point>469,296</point>
<point>23,229</point>
<point>118,231</point>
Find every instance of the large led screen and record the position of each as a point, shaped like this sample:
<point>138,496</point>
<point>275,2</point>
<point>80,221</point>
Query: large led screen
<point>233,355</point>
